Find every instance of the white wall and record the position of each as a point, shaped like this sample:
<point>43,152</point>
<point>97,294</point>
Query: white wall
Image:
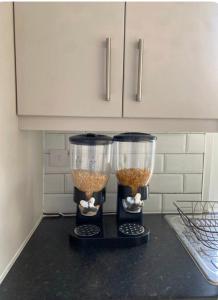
<point>20,158</point>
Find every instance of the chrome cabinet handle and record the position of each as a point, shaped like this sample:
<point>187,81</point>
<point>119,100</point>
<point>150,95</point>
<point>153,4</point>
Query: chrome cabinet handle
<point>108,69</point>
<point>140,69</point>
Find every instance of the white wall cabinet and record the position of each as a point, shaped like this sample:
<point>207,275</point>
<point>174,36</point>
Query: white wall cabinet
<point>180,60</point>
<point>61,58</point>
<point>61,66</point>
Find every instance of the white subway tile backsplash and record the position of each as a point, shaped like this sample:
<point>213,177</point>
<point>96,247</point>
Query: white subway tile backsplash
<point>159,163</point>
<point>166,183</point>
<point>58,158</point>
<point>177,173</point>
<point>192,183</point>
<point>171,143</point>
<point>153,204</point>
<point>49,169</point>
<point>59,203</point>
<point>68,184</point>
<point>184,163</point>
<point>54,141</point>
<point>54,183</point>
<point>195,143</point>
<point>168,200</point>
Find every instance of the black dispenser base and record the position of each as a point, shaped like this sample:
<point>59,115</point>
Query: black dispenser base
<point>125,229</point>
<point>109,237</point>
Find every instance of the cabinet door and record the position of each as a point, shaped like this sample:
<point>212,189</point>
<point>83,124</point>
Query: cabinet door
<point>61,58</point>
<point>180,60</point>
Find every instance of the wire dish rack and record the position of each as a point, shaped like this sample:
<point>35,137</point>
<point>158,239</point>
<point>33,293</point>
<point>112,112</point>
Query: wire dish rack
<point>201,217</point>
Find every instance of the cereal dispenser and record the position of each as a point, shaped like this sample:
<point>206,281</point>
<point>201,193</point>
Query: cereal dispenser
<point>90,156</point>
<point>133,156</point>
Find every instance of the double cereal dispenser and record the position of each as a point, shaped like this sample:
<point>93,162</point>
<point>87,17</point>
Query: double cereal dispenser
<point>93,158</point>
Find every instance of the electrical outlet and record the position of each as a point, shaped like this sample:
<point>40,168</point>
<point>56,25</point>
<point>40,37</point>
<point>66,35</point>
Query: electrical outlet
<point>59,158</point>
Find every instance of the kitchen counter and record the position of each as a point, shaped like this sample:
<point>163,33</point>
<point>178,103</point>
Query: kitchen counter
<point>49,268</point>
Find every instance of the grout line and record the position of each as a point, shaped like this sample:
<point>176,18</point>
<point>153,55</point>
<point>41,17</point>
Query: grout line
<point>162,133</point>
<point>159,153</point>
<point>161,203</point>
<point>186,143</point>
<point>164,161</point>
<point>112,174</point>
<point>202,178</point>
<point>163,168</point>
<point>181,173</point>
<point>152,193</point>
<point>65,141</point>
<point>180,153</point>
<point>65,184</point>
<point>183,183</point>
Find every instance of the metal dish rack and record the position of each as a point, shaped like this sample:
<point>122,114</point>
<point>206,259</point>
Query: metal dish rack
<point>201,217</point>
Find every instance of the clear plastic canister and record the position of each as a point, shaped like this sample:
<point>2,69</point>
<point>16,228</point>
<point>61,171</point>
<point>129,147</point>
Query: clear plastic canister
<point>90,162</point>
<point>133,159</point>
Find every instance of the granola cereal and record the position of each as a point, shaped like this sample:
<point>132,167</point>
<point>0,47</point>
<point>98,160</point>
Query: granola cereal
<point>89,181</point>
<point>133,177</point>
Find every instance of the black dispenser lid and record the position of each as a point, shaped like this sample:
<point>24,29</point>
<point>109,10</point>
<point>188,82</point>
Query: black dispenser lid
<point>90,139</point>
<point>134,137</point>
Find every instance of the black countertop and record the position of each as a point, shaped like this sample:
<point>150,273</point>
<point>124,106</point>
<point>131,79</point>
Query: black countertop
<point>50,269</point>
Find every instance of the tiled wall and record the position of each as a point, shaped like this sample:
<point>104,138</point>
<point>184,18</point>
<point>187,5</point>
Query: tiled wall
<point>177,176</point>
